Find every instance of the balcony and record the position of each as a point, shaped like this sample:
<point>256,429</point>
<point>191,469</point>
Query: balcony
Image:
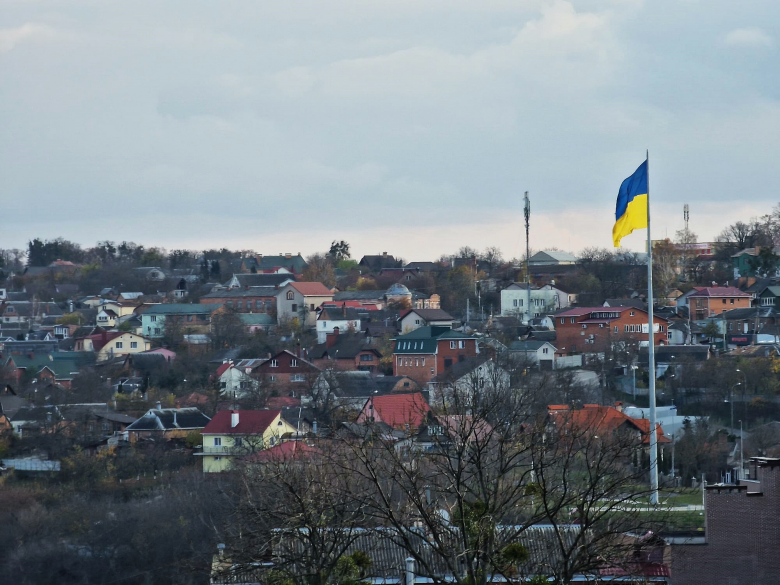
<point>216,451</point>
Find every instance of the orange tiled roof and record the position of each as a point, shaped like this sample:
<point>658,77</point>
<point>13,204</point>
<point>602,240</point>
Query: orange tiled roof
<point>398,410</point>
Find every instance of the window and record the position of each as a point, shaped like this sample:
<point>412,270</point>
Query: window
<point>423,363</point>
<point>616,328</point>
<point>452,345</point>
<point>240,304</point>
<point>157,331</point>
<point>416,321</point>
<point>217,441</point>
<point>662,328</point>
<point>290,295</point>
<point>724,301</point>
<point>544,350</point>
<point>119,345</point>
<point>297,378</point>
<point>272,378</point>
<point>133,345</point>
<point>732,301</point>
<point>274,363</point>
<point>238,441</point>
<point>294,308</point>
<point>572,320</point>
<point>601,325</point>
<point>223,384</point>
<point>514,302</point>
<point>153,318</point>
<point>416,362</point>
<point>625,328</point>
<point>632,313</point>
<point>584,326</point>
<point>293,363</point>
<point>562,320</point>
<point>462,344</point>
<point>366,358</point>
<point>311,306</point>
<point>217,458</point>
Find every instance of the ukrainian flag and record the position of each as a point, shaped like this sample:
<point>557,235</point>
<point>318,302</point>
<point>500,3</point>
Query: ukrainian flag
<point>631,212</point>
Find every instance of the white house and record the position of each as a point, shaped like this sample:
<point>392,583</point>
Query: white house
<point>562,299</point>
<point>514,301</point>
<point>300,300</point>
<point>236,380</point>
<point>541,353</point>
<point>331,318</point>
<point>416,318</point>
<point>478,375</point>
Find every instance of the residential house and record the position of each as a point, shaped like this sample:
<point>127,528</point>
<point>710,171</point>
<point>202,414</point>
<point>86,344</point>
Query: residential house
<point>256,299</point>
<point>187,316</point>
<point>714,300</point>
<point>468,380</point>
<point>275,279</point>
<point>92,420</point>
<point>739,544</point>
<point>257,321</point>
<point>594,420</point>
<point>769,297</point>
<point>378,262</point>
<point>288,370</point>
<point>235,434</point>
<point>682,300</point>
<point>514,301</point>
<point>744,262</point>
<point>57,367</point>
<point>540,353</point>
<point>546,257</point>
<point>106,318</point>
<point>592,329</point>
<point>412,319</point>
<point>164,424</point>
<point>300,300</point>
<point>397,294</point>
<point>239,378</point>
<point>150,273</point>
<point>428,351</point>
<point>108,344</point>
<point>337,319</point>
<point>749,326</point>
<point>406,412</point>
<point>346,352</point>
<point>562,300</point>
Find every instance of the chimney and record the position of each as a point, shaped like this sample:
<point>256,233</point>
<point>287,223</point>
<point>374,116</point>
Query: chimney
<point>288,255</point>
<point>619,406</point>
<point>221,549</point>
<point>298,349</point>
<point>314,427</point>
<point>159,405</point>
<point>344,309</point>
<point>233,419</point>
<point>384,254</point>
<point>409,571</point>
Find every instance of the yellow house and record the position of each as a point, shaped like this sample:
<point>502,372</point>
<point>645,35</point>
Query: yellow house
<point>109,344</point>
<point>238,433</point>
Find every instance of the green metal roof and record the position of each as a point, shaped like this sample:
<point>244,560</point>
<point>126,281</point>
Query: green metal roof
<point>425,339</point>
<point>257,319</point>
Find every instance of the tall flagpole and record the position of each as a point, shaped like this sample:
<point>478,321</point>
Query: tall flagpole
<point>651,354</point>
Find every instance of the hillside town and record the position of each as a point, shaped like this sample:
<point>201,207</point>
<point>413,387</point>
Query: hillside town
<point>230,416</point>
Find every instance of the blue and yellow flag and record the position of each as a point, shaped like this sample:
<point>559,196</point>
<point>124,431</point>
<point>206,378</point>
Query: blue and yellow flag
<point>631,211</point>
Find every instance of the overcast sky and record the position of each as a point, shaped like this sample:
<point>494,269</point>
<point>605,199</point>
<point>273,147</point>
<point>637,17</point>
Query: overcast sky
<point>406,126</point>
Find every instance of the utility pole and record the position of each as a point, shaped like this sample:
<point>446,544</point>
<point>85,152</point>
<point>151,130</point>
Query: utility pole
<point>527,213</point>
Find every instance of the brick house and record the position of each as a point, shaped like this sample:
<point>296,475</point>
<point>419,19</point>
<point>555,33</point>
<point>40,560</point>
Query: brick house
<point>255,299</point>
<point>591,329</point>
<point>428,351</point>
<point>742,539</point>
<point>346,352</point>
<point>288,370</point>
<point>400,411</point>
<point>714,300</point>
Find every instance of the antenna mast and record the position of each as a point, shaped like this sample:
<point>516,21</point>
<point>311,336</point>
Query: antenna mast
<point>527,213</point>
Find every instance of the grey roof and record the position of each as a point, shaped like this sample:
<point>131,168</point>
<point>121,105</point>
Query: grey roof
<point>433,314</point>
<point>183,309</point>
<point>424,266</point>
<point>254,291</point>
<point>550,336</point>
<point>675,353</point>
<point>545,256</point>
<point>359,295</point>
<point>83,411</point>
<point>170,418</point>
<point>749,313</point>
<point>10,404</point>
<point>460,369</point>
<point>637,303</point>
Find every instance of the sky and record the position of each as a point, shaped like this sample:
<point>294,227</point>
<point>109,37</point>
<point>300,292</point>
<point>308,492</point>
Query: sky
<point>406,126</point>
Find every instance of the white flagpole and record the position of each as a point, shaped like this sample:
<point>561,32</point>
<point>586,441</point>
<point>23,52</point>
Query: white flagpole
<point>651,354</point>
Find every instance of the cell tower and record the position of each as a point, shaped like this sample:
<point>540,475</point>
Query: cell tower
<point>686,217</point>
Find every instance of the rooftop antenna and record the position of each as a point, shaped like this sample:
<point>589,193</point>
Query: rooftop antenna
<point>686,237</point>
<point>527,213</point>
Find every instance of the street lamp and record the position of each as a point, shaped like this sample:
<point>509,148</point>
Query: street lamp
<point>634,368</point>
<point>741,453</point>
<point>729,399</point>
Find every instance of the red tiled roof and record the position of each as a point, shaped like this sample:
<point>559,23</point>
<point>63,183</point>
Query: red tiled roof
<point>316,289</point>
<point>98,341</point>
<point>602,419</point>
<point>223,368</point>
<point>250,422</point>
<point>719,291</point>
<point>398,410</point>
<point>284,452</point>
